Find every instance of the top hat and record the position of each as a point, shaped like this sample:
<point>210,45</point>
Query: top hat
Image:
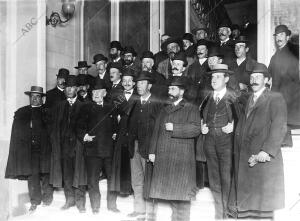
<point>131,50</point>
<point>116,44</point>
<point>201,27</point>
<point>145,75</point>
<point>82,64</point>
<point>35,89</point>
<point>99,84</point>
<point>188,36</point>
<point>147,54</point>
<point>241,39</point>
<point>182,57</point>
<point>116,65</point>
<point>99,57</point>
<point>169,41</point>
<point>82,80</point>
<point>215,50</point>
<point>180,81</point>
<point>282,28</point>
<point>71,81</point>
<point>220,68</point>
<point>261,68</point>
<point>63,73</point>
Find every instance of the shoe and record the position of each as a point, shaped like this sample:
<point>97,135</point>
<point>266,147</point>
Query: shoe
<point>95,211</point>
<point>81,209</point>
<point>47,203</point>
<point>32,208</point>
<point>115,210</point>
<point>67,205</point>
<point>135,214</point>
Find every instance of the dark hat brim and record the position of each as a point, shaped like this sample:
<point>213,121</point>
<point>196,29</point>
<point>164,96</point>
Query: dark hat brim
<point>38,92</point>
<point>220,71</point>
<point>88,66</point>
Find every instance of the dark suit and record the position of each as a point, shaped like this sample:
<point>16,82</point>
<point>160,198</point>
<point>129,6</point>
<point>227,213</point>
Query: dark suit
<point>121,175</point>
<point>114,91</point>
<point>98,153</point>
<point>227,49</point>
<point>160,87</point>
<point>53,97</point>
<point>29,153</point>
<point>106,79</point>
<point>67,161</point>
<point>259,190</point>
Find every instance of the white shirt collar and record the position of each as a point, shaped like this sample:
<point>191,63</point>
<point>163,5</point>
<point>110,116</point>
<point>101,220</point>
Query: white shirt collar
<point>239,61</point>
<point>222,42</point>
<point>117,82</point>
<point>220,93</point>
<point>117,59</point>
<point>145,99</point>
<point>202,60</point>
<point>127,96</point>
<point>258,93</point>
<point>72,100</point>
<point>59,88</point>
<point>178,75</point>
<point>35,106</point>
<point>177,102</point>
<point>101,76</point>
<point>100,104</point>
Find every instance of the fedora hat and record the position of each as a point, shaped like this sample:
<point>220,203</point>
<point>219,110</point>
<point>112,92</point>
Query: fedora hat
<point>170,41</point>
<point>261,68</point>
<point>116,44</point>
<point>99,57</point>
<point>145,75</point>
<point>63,73</point>
<point>35,89</point>
<point>220,68</point>
<point>282,28</point>
<point>188,36</point>
<point>82,64</point>
<point>130,49</point>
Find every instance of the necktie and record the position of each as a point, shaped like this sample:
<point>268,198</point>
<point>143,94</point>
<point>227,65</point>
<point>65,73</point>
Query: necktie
<point>114,85</point>
<point>251,104</point>
<point>217,99</point>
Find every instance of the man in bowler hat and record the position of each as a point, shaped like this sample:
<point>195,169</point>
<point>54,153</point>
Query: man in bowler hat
<point>29,152</point>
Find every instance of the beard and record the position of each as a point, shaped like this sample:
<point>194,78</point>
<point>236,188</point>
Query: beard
<point>128,62</point>
<point>113,56</point>
<point>173,98</point>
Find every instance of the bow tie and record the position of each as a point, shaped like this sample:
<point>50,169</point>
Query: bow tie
<point>127,92</point>
<point>71,102</point>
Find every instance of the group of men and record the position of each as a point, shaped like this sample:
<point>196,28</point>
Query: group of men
<point>157,127</point>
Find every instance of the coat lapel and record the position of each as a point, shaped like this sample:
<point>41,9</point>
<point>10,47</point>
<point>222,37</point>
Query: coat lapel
<point>172,108</point>
<point>260,101</point>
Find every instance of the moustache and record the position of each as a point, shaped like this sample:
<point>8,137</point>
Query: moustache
<point>220,34</point>
<point>254,84</point>
<point>175,69</point>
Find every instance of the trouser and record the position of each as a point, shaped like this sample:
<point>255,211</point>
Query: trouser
<point>218,151</point>
<point>180,210</point>
<point>38,184</point>
<point>201,175</point>
<point>73,195</point>
<point>141,205</point>
<point>94,166</point>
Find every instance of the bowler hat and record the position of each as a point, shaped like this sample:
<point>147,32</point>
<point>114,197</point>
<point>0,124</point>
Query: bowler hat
<point>145,75</point>
<point>241,39</point>
<point>182,57</point>
<point>203,42</point>
<point>128,72</point>
<point>201,27</point>
<point>63,73</point>
<point>99,57</point>
<point>130,49</point>
<point>224,24</point>
<point>99,84</point>
<point>116,65</point>
<point>215,51</point>
<point>282,28</point>
<point>147,54</point>
<point>261,68</point>
<point>116,44</point>
<point>82,64</point>
<point>223,68</point>
<point>169,41</point>
<point>188,36</point>
<point>82,80</point>
<point>35,89</point>
<point>180,81</point>
<point>71,81</point>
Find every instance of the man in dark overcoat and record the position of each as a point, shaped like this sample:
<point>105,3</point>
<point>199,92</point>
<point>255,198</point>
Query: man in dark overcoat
<point>121,175</point>
<point>258,187</point>
<point>55,95</point>
<point>116,88</point>
<point>226,43</point>
<point>95,129</point>
<point>284,70</point>
<point>141,126</point>
<point>67,160</point>
<point>172,151</point>
<point>219,115</point>
<point>102,70</point>
<point>29,151</point>
<point>84,92</point>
